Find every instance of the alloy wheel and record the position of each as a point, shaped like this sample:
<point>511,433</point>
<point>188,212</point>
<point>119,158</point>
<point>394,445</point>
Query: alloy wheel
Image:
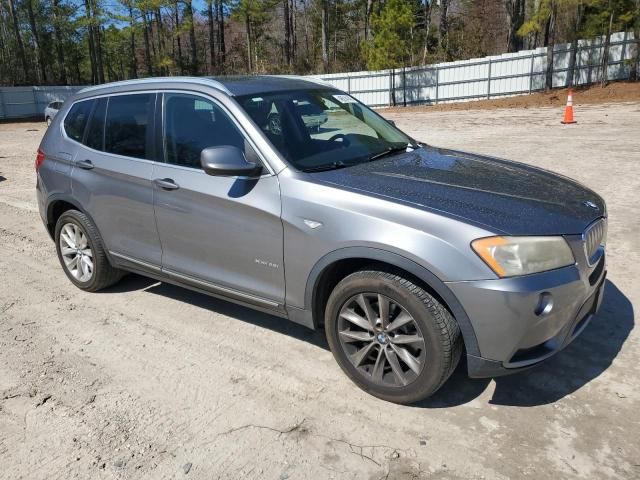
<point>76,252</point>
<point>381,340</point>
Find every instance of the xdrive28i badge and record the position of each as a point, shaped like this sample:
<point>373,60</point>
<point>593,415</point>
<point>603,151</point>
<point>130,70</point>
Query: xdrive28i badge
<point>590,204</point>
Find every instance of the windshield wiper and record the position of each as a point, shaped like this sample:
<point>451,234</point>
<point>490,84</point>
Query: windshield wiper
<point>326,166</point>
<point>390,150</point>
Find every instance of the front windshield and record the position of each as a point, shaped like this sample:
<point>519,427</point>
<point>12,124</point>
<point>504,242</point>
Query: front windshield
<point>318,129</point>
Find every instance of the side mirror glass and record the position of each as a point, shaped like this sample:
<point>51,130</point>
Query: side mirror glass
<point>227,161</point>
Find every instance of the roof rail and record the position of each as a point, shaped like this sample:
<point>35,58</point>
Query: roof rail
<point>138,81</point>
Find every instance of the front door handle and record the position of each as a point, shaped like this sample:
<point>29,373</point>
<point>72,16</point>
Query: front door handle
<point>85,164</point>
<point>166,183</point>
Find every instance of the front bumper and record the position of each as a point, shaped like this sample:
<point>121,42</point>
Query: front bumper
<point>519,322</point>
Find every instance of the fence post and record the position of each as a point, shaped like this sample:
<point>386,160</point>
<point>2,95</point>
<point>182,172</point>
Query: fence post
<point>437,83</point>
<point>35,101</point>
<point>623,53</point>
<point>392,86</point>
<point>349,85</point>
<point>489,81</point>
<point>4,108</point>
<point>404,87</point>
<point>533,57</point>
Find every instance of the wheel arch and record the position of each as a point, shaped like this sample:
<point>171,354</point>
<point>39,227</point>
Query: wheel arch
<point>57,205</point>
<point>334,266</point>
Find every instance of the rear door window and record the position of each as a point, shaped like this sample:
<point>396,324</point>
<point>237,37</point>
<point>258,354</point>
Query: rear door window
<point>128,125</point>
<point>76,120</point>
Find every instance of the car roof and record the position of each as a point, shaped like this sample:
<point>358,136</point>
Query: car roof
<point>231,85</point>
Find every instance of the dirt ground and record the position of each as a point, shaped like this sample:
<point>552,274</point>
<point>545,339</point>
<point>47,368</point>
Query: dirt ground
<point>150,381</point>
<point>617,92</point>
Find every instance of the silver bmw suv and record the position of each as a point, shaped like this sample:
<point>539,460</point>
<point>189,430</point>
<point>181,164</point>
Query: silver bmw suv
<point>406,254</point>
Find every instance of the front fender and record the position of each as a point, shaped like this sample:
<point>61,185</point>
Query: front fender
<point>403,263</point>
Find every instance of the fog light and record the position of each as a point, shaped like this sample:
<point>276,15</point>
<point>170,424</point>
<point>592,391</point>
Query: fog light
<point>545,304</point>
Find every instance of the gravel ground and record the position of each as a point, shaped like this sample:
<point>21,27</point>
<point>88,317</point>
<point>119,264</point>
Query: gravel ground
<point>148,380</point>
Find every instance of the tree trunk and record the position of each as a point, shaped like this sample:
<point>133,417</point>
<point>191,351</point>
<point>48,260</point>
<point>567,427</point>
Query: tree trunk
<point>178,40</point>
<point>5,52</point>
<point>287,33</point>
<point>212,43</point>
<point>92,50</point>
<point>147,45</point>
<point>294,35</point>
<point>550,39</point>
<point>192,38</point>
<point>97,42</point>
<point>221,44</point>
<point>428,9</point>
<point>249,44</point>
<point>444,26</point>
<point>634,75</point>
<point>367,17</point>
<point>59,46</point>
<point>160,37</point>
<point>577,24</point>
<point>515,12</point>
<point>604,78</point>
<point>36,43</point>
<point>325,35</point>
<point>21,52</point>
<point>133,67</point>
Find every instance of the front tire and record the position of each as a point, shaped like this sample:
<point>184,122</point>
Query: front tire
<point>48,120</point>
<point>390,336</point>
<point>82,254</point>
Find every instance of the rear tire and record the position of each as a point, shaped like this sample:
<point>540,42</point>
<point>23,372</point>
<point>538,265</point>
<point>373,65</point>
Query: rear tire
<point>81,253</point>
<point>413,342</point>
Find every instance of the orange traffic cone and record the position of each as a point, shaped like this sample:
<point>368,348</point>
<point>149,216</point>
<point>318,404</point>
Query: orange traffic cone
<point>568,110</point>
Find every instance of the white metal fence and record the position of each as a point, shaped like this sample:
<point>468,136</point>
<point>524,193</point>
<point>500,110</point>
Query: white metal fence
<point>480,78</point>
<point>25,102</point>
<point>517,73</point>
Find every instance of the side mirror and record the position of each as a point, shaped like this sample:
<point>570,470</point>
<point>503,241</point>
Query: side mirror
<point>227,161</point>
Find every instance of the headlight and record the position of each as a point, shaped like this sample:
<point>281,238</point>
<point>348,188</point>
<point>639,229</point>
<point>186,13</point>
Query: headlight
<point>512,256</point>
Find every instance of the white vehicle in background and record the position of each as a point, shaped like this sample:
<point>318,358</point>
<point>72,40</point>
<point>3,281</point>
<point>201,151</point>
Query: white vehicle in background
<point>51,111</point>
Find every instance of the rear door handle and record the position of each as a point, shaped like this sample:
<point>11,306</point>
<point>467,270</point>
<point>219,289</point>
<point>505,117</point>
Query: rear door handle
<point>166,183</point>
<point>85,164</point>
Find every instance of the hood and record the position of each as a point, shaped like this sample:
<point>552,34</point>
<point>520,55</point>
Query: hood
<point>506,197</point>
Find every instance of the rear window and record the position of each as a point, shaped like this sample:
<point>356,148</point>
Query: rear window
<point>76,120</point>
<point>126,129</point>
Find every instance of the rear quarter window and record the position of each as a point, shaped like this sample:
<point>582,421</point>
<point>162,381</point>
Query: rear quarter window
<point>76,120</point>
<point>95,131</point>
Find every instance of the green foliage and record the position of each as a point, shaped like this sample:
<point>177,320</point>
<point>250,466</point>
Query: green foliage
<point>392,41</point>
<point>254,35</point>
<point>598,15</point>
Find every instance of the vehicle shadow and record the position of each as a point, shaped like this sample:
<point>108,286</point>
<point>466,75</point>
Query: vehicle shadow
<point>264,320</point>
<point>582,361</point>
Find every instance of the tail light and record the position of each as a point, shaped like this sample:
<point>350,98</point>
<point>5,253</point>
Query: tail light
<point>39,159</point>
